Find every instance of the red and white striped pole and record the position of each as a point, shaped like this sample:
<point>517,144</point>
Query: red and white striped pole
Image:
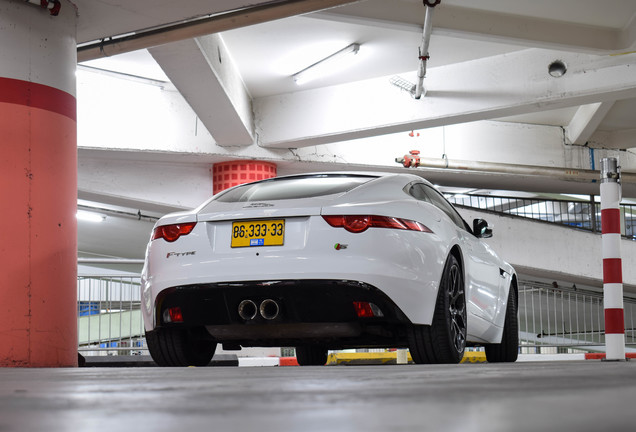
<point>612,263</point>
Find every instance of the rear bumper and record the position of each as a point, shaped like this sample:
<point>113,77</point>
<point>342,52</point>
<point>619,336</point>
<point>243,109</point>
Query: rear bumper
<point>311,311</point>
<point>406,266</point>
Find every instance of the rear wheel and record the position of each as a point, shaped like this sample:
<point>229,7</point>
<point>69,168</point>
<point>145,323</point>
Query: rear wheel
<point>508,349</point>
<point>444,340</point>
<point>180,347</point>
<point>311,355</point>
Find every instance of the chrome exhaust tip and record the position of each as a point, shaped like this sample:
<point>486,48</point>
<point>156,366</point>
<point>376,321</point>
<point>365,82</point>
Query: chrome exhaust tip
<point>269,309</point>
<point>247,310</point>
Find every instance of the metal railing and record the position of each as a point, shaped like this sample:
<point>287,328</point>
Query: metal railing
<point>110,321</point>
<point>567,318</point>
<point>109,317</point>
<point>584,215</point>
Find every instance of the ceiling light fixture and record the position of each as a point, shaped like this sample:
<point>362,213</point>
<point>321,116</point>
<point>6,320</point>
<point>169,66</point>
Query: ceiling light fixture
<point>89,216</point>
<point>326,66</point>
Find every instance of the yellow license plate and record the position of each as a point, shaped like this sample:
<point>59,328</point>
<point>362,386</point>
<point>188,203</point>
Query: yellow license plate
<point>258,233</point>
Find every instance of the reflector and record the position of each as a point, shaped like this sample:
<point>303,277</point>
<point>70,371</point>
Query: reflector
<point>173,315</point>
<point>363,309</point>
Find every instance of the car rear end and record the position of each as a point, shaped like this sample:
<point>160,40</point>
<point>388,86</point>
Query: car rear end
<point>292,260</point>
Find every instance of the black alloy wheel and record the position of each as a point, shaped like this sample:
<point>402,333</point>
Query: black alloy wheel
<point>444,340</point>
<point>180,347</point>
<point>457,308</point>
<point>508,350</point>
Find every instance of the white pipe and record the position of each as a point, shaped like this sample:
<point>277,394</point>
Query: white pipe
<point>426,38</point>
<point>204,26</point>
<point>570,174</point>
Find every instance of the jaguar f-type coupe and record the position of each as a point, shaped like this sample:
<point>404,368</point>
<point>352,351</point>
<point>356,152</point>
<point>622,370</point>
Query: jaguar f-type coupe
<point>325,262</point>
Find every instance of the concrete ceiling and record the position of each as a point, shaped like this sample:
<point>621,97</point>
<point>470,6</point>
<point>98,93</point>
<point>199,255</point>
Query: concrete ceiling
<point>488,71</point>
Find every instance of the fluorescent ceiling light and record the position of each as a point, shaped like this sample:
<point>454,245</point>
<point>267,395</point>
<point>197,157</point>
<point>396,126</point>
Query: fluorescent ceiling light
<point>89,216</point>
<point>326,66</point>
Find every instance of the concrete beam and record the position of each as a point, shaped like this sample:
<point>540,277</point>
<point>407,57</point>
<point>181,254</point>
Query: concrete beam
<point>585,121</point>
<point>133,203</point>
<point>104,19</point>
<point>154,117</point>
<point>155,187</point>
<point>616,140</point>
<point>505,85</point>
<point>152,31</point>
<point>491,26</point>
<point>203,72</point>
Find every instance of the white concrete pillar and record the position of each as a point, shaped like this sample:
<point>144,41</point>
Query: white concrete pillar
<point>38,184</point>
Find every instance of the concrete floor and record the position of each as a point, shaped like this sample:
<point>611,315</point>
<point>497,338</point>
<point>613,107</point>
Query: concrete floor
<point>563,396</point>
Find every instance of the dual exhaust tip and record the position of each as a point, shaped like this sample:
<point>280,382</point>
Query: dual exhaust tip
<point>269,309</point>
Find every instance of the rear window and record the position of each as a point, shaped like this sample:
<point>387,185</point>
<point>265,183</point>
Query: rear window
<point>293,188</point>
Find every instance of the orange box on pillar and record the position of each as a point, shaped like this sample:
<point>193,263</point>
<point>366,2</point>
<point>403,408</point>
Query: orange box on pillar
<point>228,174</point>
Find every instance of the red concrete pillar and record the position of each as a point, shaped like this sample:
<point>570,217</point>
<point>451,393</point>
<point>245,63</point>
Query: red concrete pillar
<point>38,185</point>
<point>233,173</point>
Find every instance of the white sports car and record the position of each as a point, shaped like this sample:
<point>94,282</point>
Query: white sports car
<point>327,261</point>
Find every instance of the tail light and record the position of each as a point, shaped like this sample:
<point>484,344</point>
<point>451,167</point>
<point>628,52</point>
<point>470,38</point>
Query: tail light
<point>172,232</point>
<point>360,223</point>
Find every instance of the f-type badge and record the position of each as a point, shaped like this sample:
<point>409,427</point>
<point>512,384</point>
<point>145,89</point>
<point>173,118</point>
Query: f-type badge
<point>180,254</point>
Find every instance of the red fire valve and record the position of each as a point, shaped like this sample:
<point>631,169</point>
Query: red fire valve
<point>53,6</point>
<point>410,160</point>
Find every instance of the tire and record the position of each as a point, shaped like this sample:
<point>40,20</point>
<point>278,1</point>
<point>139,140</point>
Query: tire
<point>311,355</point>
<point>444,340</point>
<point>179,347</point>
<point>508,349</point>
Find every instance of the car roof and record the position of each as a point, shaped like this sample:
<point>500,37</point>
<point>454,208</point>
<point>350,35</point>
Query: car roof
<point>377,174</point>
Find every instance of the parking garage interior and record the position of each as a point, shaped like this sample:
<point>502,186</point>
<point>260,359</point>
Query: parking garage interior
<point>114,115</point>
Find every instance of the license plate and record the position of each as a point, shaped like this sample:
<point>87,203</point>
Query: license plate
<point>258,233</point>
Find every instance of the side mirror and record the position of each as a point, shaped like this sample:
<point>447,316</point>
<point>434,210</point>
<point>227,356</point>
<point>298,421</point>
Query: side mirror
<point>481,229</point>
